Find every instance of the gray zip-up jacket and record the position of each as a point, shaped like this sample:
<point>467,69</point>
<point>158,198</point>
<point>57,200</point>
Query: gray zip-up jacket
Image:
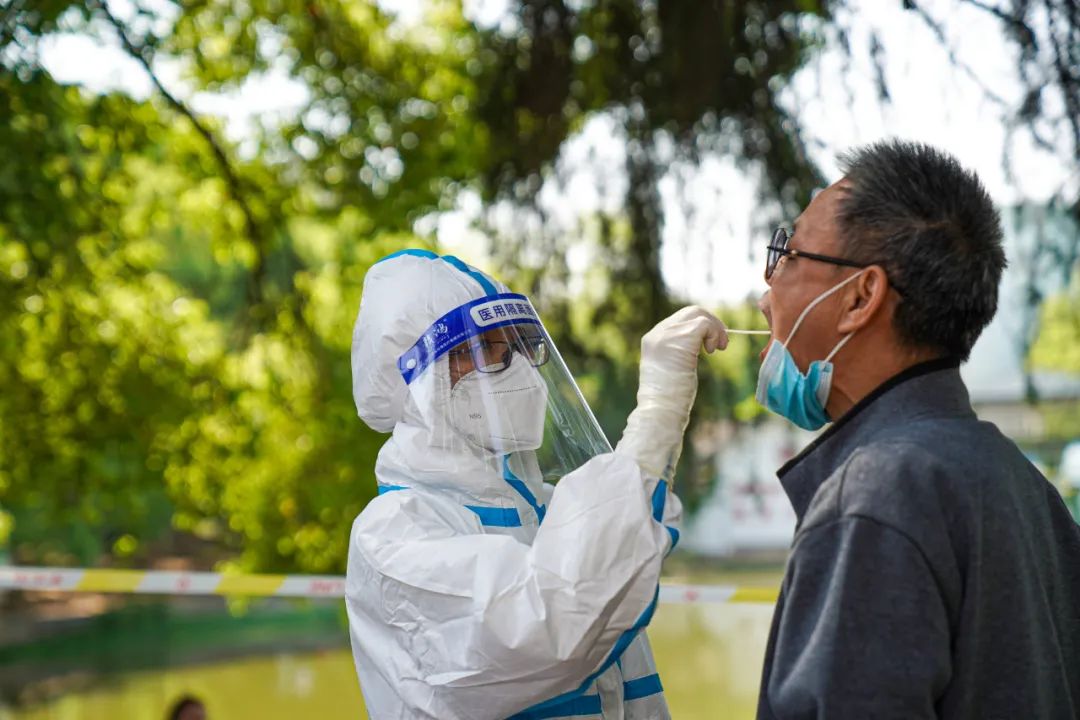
<point>935,573</point>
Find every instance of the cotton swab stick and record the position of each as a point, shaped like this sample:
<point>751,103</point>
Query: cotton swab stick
<point>748,332</point>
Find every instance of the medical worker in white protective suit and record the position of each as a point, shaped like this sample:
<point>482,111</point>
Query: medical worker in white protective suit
<point>476,588</point>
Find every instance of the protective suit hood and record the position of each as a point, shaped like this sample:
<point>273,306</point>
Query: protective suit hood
<point>403,295</point>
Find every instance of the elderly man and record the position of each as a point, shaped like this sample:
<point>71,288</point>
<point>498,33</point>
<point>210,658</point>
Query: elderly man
<point>934,572</point>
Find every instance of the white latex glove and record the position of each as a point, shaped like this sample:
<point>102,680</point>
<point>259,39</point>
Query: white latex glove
<point>666,388</point>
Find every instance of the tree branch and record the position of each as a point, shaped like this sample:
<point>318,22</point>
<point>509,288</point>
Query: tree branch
<point>233,181</point>
<point>1067,77</point>
<point>939,33</point>
<point>1025,31</point>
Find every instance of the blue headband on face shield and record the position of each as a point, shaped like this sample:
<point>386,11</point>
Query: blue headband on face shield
<point>461,324</point>
<point>785,390</point>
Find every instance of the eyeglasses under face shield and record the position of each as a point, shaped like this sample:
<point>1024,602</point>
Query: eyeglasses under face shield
<point>494,350</point>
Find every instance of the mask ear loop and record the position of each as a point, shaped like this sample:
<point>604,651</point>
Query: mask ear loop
<point>814,303</point>
<point>839,345</point>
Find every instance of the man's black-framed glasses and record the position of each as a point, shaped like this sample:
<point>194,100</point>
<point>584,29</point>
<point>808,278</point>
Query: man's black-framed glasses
<point>778,248</point>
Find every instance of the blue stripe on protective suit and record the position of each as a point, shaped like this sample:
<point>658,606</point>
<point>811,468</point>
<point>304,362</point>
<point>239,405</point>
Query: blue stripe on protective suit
<point>479,277</point>
<point>496,516</point>
<point>383,489</point>
<point>584,705</point>
<point>659,500</point>
<point>642,687</point>
<point>461,324</point>
<point>489,516</point>
<point>590,704</point>
<point>523,490</point>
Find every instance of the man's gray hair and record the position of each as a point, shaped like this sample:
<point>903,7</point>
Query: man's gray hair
<point>931,225</point>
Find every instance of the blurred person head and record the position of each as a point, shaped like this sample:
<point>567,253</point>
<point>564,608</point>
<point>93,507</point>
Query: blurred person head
<point>910,244</point>
<point>188,707</point>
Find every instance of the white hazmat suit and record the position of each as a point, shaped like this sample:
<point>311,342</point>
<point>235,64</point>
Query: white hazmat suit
<point>475,590</point>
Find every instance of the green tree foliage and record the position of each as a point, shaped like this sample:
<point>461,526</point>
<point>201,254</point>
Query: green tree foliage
<point>177,309</point>
<point>176,355</point>
<point>94,354</point>
<point>142,375</point>
<point>123,384</point>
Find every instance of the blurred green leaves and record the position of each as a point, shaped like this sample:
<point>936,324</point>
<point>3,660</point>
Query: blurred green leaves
<point>177,309</point>
<point>1058,344</point>
<point>133,396</point>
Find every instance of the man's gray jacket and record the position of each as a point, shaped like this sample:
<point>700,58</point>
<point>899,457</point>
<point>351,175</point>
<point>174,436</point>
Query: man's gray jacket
<point>935,573</point>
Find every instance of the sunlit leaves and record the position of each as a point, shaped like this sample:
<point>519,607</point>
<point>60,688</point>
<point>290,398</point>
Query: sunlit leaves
<point>127,379</point>
<point>1058,345</point>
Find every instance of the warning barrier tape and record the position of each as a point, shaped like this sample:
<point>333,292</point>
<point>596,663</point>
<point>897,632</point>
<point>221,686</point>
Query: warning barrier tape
<point>167,582</point>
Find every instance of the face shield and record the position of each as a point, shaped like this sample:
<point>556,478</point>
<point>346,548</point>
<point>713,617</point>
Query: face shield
<point>487,376</point>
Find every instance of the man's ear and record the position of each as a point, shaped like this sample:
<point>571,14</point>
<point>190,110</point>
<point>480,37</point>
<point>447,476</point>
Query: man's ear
<point>864,299</point>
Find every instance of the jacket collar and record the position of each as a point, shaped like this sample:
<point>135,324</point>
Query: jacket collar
<point>929,389</point>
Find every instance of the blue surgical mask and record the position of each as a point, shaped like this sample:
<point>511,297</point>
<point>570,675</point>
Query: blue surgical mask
<point>785,390</point>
